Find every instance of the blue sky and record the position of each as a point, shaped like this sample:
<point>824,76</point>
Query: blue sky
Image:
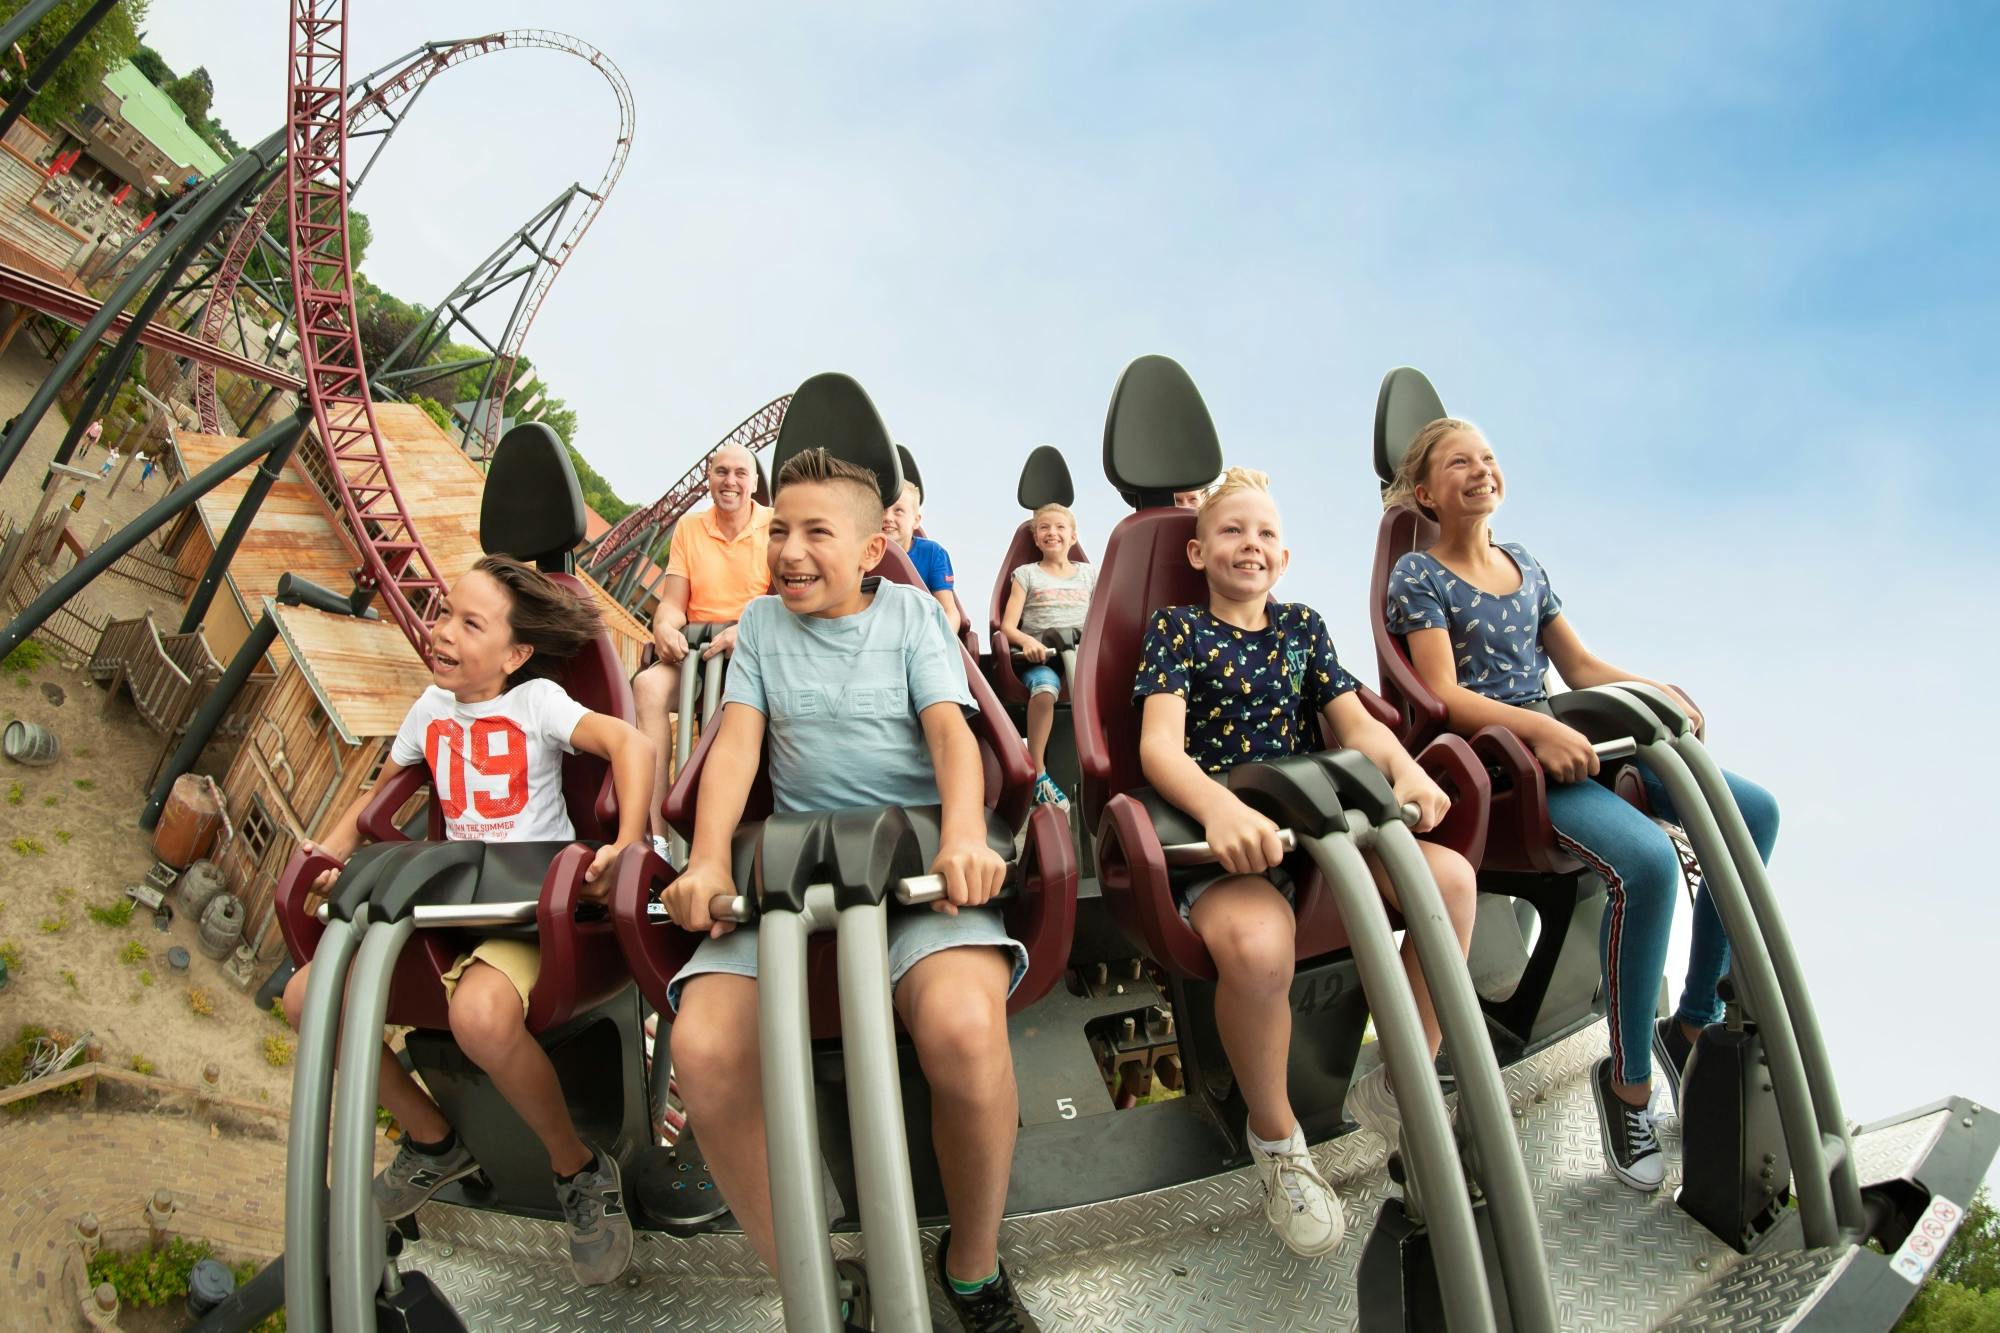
<point>1719,281</point>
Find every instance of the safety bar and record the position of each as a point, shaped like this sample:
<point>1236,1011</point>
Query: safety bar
<point>1764,964</point>
<point>710,677</point>
<point>305,1146</point>
<point>1483,1100</point>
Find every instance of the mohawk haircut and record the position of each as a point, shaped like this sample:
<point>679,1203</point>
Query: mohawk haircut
<point>817,465</point>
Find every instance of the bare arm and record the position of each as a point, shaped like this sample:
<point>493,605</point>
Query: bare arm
<point>726,777</point>
<point>1010,624</point>
<point>1356,729</point>
<point>1563,752</point>
<point>670,618</point>
<point>1244,841</point>
<point>345,835</point>
<point>631,757</point>
<point>1581,669</point>
<point>949,601</point>
<point>972,871</point>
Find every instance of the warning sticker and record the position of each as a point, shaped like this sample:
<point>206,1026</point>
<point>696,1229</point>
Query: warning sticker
<point>1927,1239</point>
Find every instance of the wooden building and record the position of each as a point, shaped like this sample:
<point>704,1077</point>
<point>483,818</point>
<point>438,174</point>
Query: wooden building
<point>322,733</point>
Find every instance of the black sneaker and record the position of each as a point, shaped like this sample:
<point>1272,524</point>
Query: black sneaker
<point>1671,1050</point>
<point>993,1308</point>
<point>851,1283</point>
<point>1630,1144</point>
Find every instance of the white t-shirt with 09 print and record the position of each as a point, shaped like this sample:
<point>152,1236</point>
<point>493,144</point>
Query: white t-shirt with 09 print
<point>496,765</point>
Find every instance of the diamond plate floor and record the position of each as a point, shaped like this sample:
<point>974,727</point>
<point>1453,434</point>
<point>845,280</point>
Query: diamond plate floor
<point>1199,1256</point>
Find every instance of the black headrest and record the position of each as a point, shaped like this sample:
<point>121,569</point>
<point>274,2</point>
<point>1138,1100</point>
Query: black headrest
<point>1405,406</point>
<point>1158,437</point>
<point>532,508</point>
<point>911,477</point>
<point>832,412</point>
<point>1045,480</point>
<point>762,495</point>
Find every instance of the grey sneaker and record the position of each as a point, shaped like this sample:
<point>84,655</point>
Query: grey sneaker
<point>600,1232</point>
<point>409,1181</point>
<point>1371,1102</point>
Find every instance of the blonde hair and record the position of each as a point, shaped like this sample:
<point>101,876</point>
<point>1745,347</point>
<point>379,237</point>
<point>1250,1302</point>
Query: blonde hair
<point>1416,464</point>
<point>1234,481</point>
<point>1053,508</point>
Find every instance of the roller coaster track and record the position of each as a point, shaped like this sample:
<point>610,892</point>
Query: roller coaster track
<point>316,189</point>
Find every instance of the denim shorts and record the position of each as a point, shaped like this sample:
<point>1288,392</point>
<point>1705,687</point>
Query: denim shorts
<point>1041,678</point>
<point>1190,882</point>
<point>913,936</point>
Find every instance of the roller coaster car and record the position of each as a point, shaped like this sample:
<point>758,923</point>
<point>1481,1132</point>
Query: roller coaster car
<point>1534,996</point>
<point>1158,438</point>
<point>583,1009</point>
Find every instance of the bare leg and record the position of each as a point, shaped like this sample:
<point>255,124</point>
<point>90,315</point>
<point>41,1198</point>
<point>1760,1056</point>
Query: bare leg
<point>489,1025</point>
<point>1459,889</point>
<point>1041,721</point>
<point>1250,932</point>
<point>401,1094</point>
<point>954,1003</point>
<point>655,695</point>
<point>716,1067</point>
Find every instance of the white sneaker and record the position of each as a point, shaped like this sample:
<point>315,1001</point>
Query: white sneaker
<point>1371,1104</point>
<point>1298,1203</point>
<point>662,850</point>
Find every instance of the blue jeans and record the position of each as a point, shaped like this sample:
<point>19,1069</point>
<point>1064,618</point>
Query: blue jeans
<point>1642,872</point>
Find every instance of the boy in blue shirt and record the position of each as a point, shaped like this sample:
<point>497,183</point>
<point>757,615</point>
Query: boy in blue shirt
<point>900,522</point>
<point>861,700</point>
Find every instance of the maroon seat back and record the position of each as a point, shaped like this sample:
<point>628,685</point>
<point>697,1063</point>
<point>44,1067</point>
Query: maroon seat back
<point>1044,480</point>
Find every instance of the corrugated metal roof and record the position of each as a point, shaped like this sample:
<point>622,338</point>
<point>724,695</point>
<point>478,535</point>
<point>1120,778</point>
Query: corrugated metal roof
<point>364,672</point>
<point>157,116</point>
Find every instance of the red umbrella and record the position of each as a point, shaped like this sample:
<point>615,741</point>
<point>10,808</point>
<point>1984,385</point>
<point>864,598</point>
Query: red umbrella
<point>123,190</point>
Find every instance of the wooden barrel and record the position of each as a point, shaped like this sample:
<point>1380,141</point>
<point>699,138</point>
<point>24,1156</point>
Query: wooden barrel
<point>198,885</point>
<point>221,926</point>
<point>26,743</point>
<point>188,823</point>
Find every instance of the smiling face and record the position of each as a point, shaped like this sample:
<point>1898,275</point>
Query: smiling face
<point>1239,546</point>
<point>473,650</point>
<point>1054,534</point>
<point>732,479</point>
<point>901,520</point>
<point>1463,478</point>
<point>823,540</point>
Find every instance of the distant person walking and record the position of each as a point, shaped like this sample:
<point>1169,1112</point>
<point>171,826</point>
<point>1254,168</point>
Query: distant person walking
<point>110,461</point>
<point>147,471</point>
<point>91,434</point>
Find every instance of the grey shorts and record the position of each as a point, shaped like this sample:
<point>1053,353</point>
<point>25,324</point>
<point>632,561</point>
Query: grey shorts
<point>913,936</point>
<point>1190,882</point>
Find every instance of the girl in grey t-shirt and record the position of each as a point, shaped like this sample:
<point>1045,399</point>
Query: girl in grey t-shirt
<point>1052,593</point>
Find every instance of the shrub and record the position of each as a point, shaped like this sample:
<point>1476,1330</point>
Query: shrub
<point>84,784</point>
<point>54,925</point>
<point>69,978</point>
<point>63,836</point>
<point>141,1065</point>
<point>28,846</point>
<point>135,951</point>
<point>145,979</point>
<point>16,793</point>
<point>199,1003</point>
<point>52,801</point>
<point>117,914</point>
<point>27,655</point>
<point>150,1277</point>
<point>277,1050</point>
<point>10,954</point>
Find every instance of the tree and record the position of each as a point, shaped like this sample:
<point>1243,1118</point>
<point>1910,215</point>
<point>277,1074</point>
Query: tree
<point>74,83</point>
<point>150,64</point>
<point>1963,1293</point>
<point>192,93</point>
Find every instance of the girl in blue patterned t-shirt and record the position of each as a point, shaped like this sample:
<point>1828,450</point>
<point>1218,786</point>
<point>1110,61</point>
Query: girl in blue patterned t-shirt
<point>1483,627</point>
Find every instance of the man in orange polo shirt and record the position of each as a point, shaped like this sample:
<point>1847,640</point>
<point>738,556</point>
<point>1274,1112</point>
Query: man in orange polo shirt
<point>715,564</point>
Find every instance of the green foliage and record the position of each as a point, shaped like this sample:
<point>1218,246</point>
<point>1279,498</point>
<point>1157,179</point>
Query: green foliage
<point>16,793</point>
<point>14,1065</point>
<point>69,979</point>
<point>10,954</point>
<point>436,411</point>
<point>199,1003</point>
<point>145,979</point>
<point>192,93</point>
<point>117,914</point>
<point>150,1277</point>
<point>63,836</point>
<point>54,925</point>
<point>597,492</point>
<point>278,1049</point>
<point>153,66</point>
<point>277,1011</point>
<point>25,846</point>
<point>29,653</point>
<point>85,784</point>
<point>110,44</point>
<point>141,1065</point>
<point>134,951</point>
<point>1963,1293</point>
<point>52,802</point>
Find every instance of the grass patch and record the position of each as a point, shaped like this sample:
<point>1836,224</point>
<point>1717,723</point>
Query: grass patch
<point>118,914</point>
<point>16,793</point>
<point>199,1002</point>
<point>277,1010</point>
<point>54,925</point>
<point>141,1065</point>
<point>145,979</point>
<point>63,836</point>
<point>25,846</point>
<point>66,895</point>
<point>278,1050</point>
<point>10,954</point>
<point>27,655</point>
<point>14,1065</point>
<point>52,801</point>
<point>146,1278</point>
<point>84,784</point>
<point>134,951</point>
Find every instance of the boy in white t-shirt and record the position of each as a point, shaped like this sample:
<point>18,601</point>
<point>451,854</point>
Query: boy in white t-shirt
<point>493,730</point>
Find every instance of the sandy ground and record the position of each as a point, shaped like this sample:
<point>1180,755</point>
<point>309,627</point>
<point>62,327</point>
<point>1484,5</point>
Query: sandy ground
<point>81,812</point>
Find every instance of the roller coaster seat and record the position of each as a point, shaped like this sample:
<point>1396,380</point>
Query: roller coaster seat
<point>1042,915</point>
<point>1158,422</point>
<point>1045,479</point>
<point>582,965</point>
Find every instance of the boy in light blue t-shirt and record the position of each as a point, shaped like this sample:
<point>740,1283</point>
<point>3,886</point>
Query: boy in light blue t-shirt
<point>859,692</point>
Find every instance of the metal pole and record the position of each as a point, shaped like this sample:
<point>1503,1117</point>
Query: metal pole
<point>132,534</point>
<point>896,1291</point>
<point>20,553</point>
<point>305,1143</point>
<point>711,687</point>
<point>252,165</point>
<point>206,719</point>
<point>791,1129</point>
<point>1750,963</point>
<point>16,27</point>
<point>1791,977</point>
<point>261,482</point>
<point>58,53</point>
<point>250,1304</point>
<point>355,1236</point>
<point>1433,1156</point>
<point>1482,1096</point>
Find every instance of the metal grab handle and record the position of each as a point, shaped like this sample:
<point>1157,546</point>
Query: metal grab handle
<point>1201,854</point>
<point>1623,748</point>
<point>915,891</point>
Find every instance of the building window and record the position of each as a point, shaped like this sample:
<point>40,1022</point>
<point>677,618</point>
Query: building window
<point>257,830</point>
<point>375,769</point>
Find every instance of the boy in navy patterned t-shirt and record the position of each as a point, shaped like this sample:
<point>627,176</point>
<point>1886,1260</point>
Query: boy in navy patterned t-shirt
<point>1246,678</point>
